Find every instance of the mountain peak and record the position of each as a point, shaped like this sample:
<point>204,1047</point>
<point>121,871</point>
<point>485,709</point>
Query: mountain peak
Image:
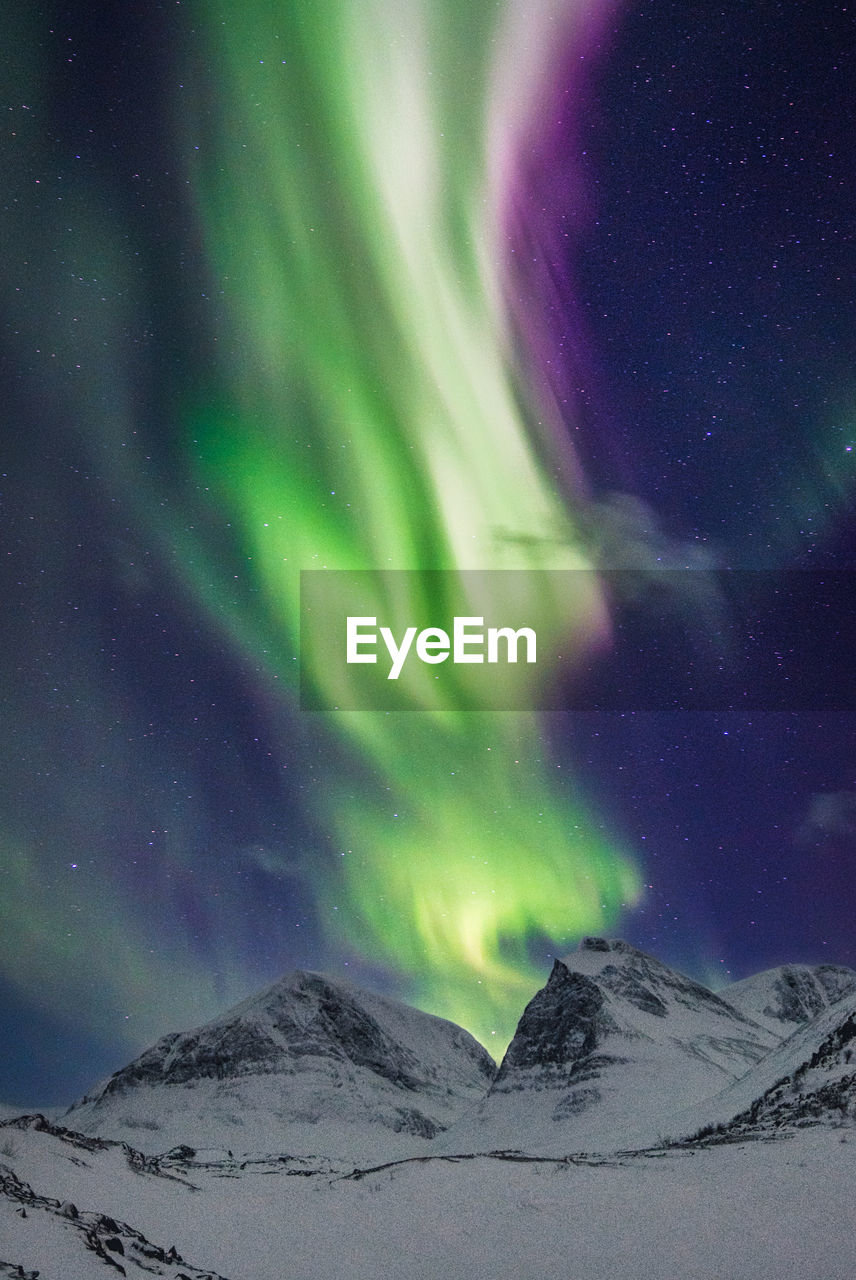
<point>606,944</point>
<point>595,944</point>
<point>607,1050</point>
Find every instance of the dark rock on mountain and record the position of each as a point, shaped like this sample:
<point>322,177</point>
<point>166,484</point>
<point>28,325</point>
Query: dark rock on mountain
<point>92,1233</point>
<point>562,1024</point>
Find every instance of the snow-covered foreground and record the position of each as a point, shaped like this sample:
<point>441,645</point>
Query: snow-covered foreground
<point>405,1144</point>
<point>744,1211</point>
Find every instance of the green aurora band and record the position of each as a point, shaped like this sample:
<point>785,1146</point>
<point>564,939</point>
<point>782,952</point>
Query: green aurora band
<point>349,160</point>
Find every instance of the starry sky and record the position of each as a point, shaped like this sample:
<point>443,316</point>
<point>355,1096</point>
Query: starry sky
<point>533,286</point>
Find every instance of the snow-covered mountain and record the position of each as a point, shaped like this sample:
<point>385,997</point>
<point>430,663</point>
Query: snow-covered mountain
<point>618,1050</point>
<point>606,1052</point>
<point>312,1065</point>
<point>785,998</point>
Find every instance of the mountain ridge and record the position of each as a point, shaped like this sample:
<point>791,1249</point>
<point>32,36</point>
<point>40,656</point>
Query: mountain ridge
<point>616,1050</point>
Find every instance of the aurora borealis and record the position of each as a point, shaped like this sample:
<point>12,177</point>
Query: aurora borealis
<point>375,424</point>
<point>404,286</point>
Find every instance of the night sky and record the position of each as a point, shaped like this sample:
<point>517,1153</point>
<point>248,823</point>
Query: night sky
<point>289,286</point>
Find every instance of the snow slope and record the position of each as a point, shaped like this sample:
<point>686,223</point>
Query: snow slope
<point>48,1235</point>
